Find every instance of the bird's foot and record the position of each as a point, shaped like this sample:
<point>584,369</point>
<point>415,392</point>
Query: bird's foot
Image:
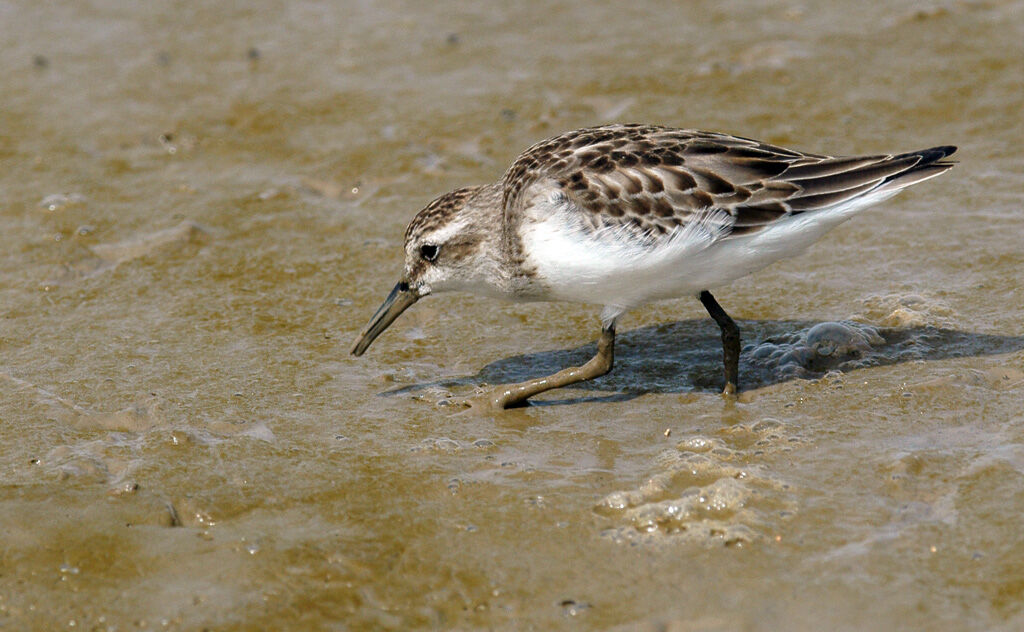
<point>487,399</point>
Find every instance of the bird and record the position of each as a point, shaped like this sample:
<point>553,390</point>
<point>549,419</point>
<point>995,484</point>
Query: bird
<point>627,214</point>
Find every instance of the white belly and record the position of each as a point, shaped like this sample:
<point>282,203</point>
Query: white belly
<point>612,269</point>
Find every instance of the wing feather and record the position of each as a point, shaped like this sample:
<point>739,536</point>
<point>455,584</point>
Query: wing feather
<point>653,181</point>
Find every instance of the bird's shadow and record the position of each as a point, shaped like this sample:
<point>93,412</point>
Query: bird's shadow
<point>686,356</point>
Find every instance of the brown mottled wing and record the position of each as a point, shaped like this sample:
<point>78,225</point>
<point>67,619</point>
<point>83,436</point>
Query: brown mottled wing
<point>654,180</point>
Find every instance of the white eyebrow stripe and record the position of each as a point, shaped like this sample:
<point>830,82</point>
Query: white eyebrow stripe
<point>444,233</point>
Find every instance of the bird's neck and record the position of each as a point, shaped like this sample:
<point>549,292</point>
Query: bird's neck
<point>502,270</point>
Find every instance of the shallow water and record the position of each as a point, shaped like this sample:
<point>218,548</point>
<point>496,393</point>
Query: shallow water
<point>202,206</point>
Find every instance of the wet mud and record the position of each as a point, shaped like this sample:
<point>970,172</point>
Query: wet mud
<point>202,204</point>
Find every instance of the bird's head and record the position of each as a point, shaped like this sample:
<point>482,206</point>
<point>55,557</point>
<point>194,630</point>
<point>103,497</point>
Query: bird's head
<point>444,251</point>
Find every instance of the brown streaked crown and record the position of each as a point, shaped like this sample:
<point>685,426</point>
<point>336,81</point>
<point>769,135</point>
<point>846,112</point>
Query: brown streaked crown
<point>439,211</point>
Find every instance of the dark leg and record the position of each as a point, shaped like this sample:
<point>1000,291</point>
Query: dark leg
<point>601,363</point>
<point>730,341</point>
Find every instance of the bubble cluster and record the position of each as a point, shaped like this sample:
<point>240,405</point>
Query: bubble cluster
<point>705,489</point>
<point>906,310</point>
<point>812,352</point>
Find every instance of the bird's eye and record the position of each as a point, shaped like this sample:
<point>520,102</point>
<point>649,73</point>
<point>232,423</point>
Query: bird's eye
<point>429,251</point>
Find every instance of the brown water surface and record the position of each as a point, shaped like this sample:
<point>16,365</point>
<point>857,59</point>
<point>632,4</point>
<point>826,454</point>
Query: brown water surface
<point>203,202</point>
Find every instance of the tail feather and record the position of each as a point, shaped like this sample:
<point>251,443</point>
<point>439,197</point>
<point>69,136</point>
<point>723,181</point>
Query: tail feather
<point>930,155</point>
<point>844,185</point>
<point>931,164</point>
<point>884,173</point>
<point>855,178</point>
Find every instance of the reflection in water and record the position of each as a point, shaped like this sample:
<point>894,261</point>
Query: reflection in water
<point>684,356</point>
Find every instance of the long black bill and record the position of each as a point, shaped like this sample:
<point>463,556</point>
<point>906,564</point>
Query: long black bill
<point>397,302</point>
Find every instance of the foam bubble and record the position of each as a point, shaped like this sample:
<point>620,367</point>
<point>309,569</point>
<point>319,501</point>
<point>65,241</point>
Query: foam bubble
<point>704,490</point>
<point>827,346</point>
<point>906,310</point>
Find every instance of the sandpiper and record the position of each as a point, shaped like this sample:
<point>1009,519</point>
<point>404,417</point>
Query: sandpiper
<point>623,215</point>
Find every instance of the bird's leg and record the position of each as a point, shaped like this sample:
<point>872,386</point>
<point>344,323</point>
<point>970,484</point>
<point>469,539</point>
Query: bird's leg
<point>730,341</point>
<point>601,363</point>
